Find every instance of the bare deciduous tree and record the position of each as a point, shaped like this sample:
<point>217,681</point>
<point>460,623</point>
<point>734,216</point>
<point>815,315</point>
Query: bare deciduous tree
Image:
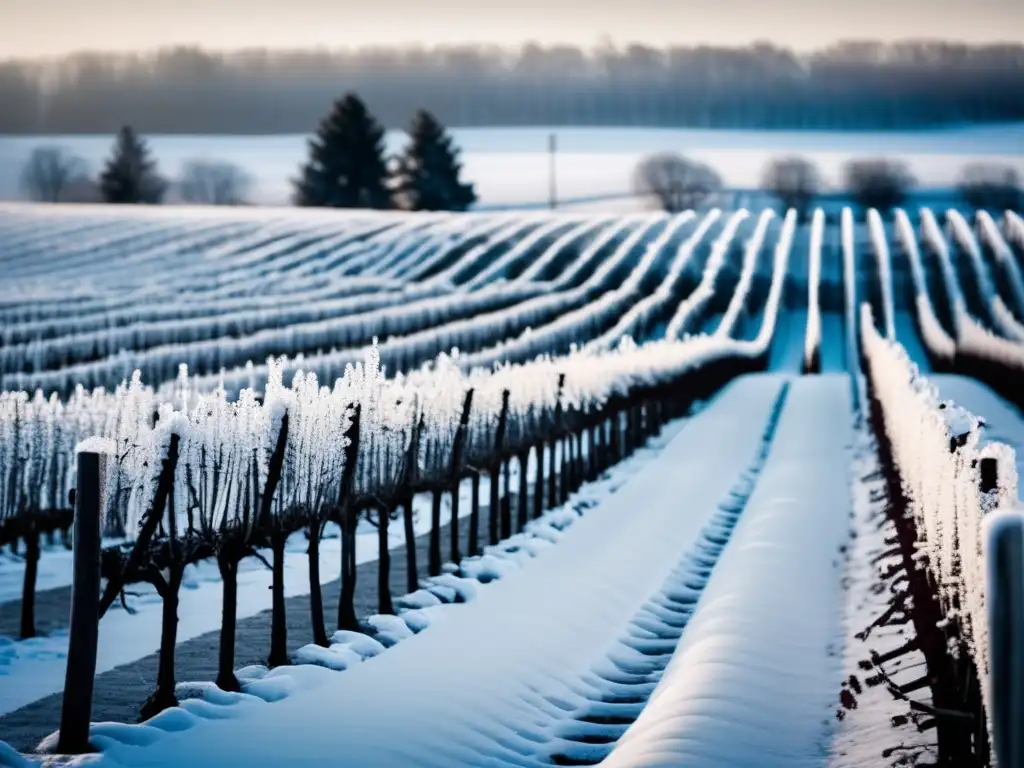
<point>992,186</point>
<point>51,173</point>
<point>211,182</point>
<point>794,181</point>
<point>878,182</point>
<point>677,183</point>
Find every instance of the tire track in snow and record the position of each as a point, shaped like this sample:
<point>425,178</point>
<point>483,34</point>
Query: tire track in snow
<point>622,682</point>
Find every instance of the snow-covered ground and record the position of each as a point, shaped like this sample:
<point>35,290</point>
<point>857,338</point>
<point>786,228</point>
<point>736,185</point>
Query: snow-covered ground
<point>501,674</point>
<point>753,679</point>
<point>32,669</point>
<point>1003,422</point>
<point>478,686</point>
<point>875,727</point>
<point>510,165</point>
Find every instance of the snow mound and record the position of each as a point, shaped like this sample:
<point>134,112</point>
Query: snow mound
<point>753,680</point>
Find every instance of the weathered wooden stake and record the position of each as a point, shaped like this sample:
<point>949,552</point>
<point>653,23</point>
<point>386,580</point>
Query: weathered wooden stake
<point>506,500</point>
<point>384,603</point>
<point>76,708</point>
<point>538,484</point>
<point>553,473</point>
<point>28,589</point>
<point>348,518</point>
<point>553,478</point>
<point>564,479</point>
<point>412,582</point>
<point>500,510</point>
<point>434,553</point>
<point>523,513</point>
<point>494,505</point>
<point>456,473</point>
<point>473,543</point>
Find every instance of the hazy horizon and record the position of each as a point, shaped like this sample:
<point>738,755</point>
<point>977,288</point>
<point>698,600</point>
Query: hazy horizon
<point>49,28</point>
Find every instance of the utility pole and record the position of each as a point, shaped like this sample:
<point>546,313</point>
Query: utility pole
<point>552,185</point>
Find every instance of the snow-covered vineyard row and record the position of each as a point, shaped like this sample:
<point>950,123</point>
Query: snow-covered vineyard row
<point>88,298</point>
<point>633,631</point>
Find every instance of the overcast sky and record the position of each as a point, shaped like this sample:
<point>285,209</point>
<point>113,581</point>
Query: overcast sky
<point>46,27</point>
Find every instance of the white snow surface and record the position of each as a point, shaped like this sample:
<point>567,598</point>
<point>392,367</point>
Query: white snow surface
<point>753,680</point>
<point>479,684</point>
<point>867,731</point>
<point>32,669</point>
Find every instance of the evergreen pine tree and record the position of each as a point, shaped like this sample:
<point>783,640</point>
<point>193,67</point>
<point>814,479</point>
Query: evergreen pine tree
<point>346,167</point>
<point>130,175</point>
<point>427,176</point>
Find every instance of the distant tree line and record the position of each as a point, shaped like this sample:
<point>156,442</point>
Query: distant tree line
<point>675,183</point>
<point>54,174</point>
<point>346,168</point>
<point>847,86</point>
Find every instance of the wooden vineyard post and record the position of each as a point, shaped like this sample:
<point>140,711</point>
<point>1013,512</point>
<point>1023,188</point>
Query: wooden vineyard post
<point>565,481</point>
<point>506,500</point>
<point>28,589</point>
<point>615,436</point>
<point>456,472</point>
<point>572,451</point>
<point>347,514</point>
<point>385,605</point>
<point>600,447</point>
<point>473,542</point>
<point>553,445</point>
<point>553,472</point>
<point>523,514</point>
<point>577,463</point>
<point>1004,554</point>
<point>434,550</point>
<point>409,483</point>
<point>989,474</point>
<point>499,447</point>
<point>592,449</point>
<point>538,485</point>
<point>633,425</point>
<point>76,708</point>
<point>569,465</point>
<point>278,539</point>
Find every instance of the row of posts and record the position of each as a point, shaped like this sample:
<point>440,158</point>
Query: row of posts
<point>589,445</point>
<point>586,451</point>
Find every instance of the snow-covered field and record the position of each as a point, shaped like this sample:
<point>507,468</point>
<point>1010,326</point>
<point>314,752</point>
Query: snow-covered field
<point>510,166</point>
<point>32,669</point>
<point>699,603</point>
